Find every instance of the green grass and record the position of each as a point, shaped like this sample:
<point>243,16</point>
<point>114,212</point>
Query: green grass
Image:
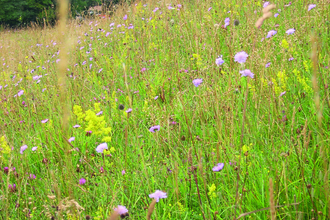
<point>228,118</point>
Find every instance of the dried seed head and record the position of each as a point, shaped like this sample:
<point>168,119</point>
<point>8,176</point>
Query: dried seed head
<point>236,22</point>
<point>121,107</point>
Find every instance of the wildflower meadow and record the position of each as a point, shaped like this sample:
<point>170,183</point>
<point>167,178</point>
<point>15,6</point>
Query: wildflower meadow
<point>166,109</point>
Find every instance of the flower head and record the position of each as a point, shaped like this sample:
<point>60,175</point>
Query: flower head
<point>197,82</point>
<point>23,148</point>
<point>290,31</point>
<point>271,33</point>
<point>101,147</point>
<point>266,4</point>
<point>282,93</point>
<point>34,148</point>
<point>241,57</point>
<point>82,181</point>
<point>71,139</point>
<point>158,195</point>
<point>76,126</point>
<point>311,6</point>
<point>291,58</point>
<point>268,64</point>
<point>227,22</point>
<point>218,167</point>
<point>44,121</point>
<point>21,92</point>
<point>129,110</point>
<point>247,72</point>
<point>154,128</point>
<point>125,17</point>
<point>121,210</point>
<point>219,61</point>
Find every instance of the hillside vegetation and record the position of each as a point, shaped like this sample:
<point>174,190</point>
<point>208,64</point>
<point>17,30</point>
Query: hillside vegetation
<point>169,110</point>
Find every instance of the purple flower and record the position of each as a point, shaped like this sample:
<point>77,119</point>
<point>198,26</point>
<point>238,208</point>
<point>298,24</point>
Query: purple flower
<point>154,128</point>
<point>32,176</point>
<point>156,97</point>
<point>218,167</point>
<point>311,6</point>
<point>268,64</point>
<point>12,188</point>
<point>158,195</point>
<point>99,113</point>
<point>291,58</point>
<point>76,126</point>
<point>209,9</point>
<point>121,210</point>
<point>288,4</point>
<point>82,181</point>
<point>20,92</point>
<point>266,4</point>
<point>23,148</point>
<point>241,57</point>
<point>123,172</point>
<point>125,17</point>
<point>227,21</point>
<point>282,93</point>
<point>129,110</point>
<point>219,61</point>
<point>271,33</point>
<point>6,169</point>
<point>247,72</point>
<point>34,148</point>
<point>71,139</point>
<point>275,15</point>
<point>44,121</point>
<point>290,31</point>
<point>155,10</point>
<point>101,147</point>
<point>197,82</point>
<point>143,69</point>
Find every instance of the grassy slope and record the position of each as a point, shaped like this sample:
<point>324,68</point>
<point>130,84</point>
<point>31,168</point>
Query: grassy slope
<point>280,139</point>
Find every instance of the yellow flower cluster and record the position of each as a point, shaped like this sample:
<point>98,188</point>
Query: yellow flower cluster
<point>95,123</point>
<point>280,85</point>
<point>302,80</point>
<point>4,147</point>
<point>211,192</point>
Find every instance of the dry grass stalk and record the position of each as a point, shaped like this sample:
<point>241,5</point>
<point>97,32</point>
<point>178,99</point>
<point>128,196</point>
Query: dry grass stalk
<point>151,209</point>
<point>266,14</point>
<point>113,216</point>
<point>271,198</point>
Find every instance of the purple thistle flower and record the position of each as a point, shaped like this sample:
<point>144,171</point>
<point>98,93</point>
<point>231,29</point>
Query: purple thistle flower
<point>125,17</point>
<point>247,72</point>
<point>12,188</point>
<point>218,167</point>
<point>290,31</point>
<point>154,128</point>
<point>241,57</point>
<point>197,82</point>
<point>158,195</point>
<point>271,33</point>
<point>123,172</point>
<point>44,121</point>
<point>71,139</point>
<point>32,176</point>
<point>311,6</point>
<point>219,61</point>
<point>82,181</point>
<point>268,64</point>
<point>121,210</point>
<point>288,4</point>
<point>129,110</point>
<point>6,169</point>
<point>23,148</point>
<point>100,148</point>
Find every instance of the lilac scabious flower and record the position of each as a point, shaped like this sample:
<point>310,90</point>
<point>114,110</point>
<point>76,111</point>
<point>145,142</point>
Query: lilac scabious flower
<point>34,148</point>
<point>158,195</point>
<point>32,176</point>
<point>218,167</point>
<point>155,10</point>
<point>290,31</point>
<point>311,6</point>
<point>121,210</point>
<point>154,128</point>
<point>156,97</point>
<point>76,126</point>
<point>268,64</point>
<point>125,17</point>
<point>227,21</point>
<point>291,58</point>
<point>247,72</point>
<point>266,4</point>
<point>209,9</point>
<point>82,181</point>
<point>44,121</point>
<point>271,33</point>
<point>21,92</point>
<point>99,113</point>
<point>241,57</point>
<point>101,147</point>
<point>23,148</point>
<point>197,82</point>
<point>275,15</point>
<point>219,61</point>
<point>123,172</point>
<point>129,110</point>
<point>288,4</point>
<point>71,139</point>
